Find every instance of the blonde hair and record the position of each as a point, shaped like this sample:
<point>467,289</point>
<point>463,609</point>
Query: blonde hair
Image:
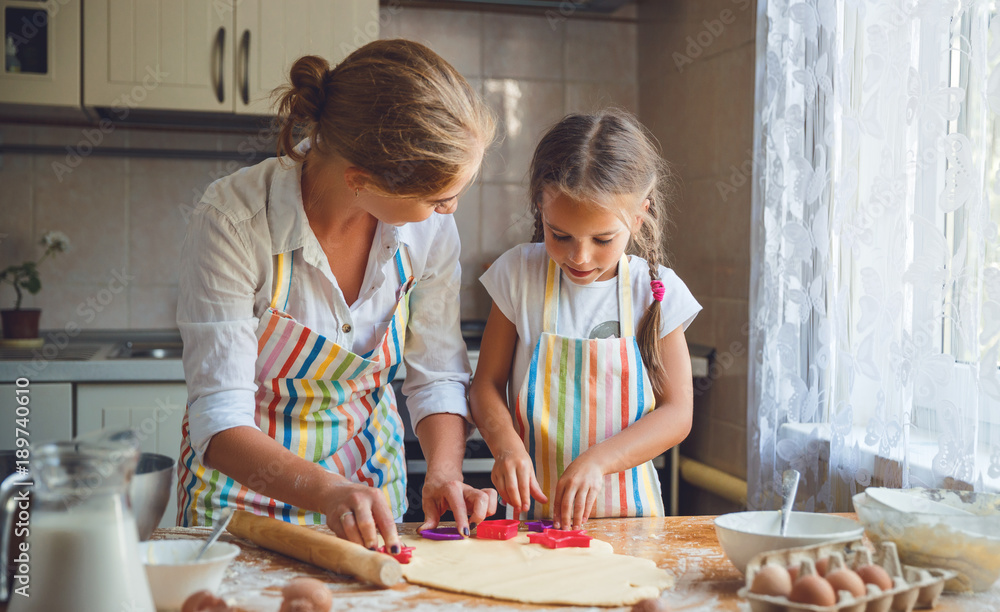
<point>393,108</point>
<point>608,160</point>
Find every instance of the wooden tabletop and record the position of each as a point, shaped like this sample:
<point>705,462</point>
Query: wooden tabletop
<point>684,546</point>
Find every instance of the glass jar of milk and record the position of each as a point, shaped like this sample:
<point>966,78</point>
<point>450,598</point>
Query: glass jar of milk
<point>81,544</point>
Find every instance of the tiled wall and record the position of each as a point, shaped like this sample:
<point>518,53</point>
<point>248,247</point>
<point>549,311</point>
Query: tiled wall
<point>126,217</point>
<point>696,82</point>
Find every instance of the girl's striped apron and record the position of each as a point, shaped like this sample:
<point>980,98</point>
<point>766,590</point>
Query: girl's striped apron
<point>319,400</point>
<point>579,392</point>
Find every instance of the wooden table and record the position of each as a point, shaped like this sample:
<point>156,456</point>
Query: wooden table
<point>685,546</point>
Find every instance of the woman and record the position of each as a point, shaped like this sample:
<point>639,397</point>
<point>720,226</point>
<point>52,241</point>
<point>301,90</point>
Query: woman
<point>307,279</point>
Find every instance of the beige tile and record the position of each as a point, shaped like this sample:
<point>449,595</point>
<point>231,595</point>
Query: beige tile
<point>526,109</point>
<point>732,279</point>
<point>673,37</point>
<point>692,236</point>
<point>506,221</point>
<point>99,305</point>
<point>388,21</point>
<point>468,219</point>
<point>82,139</point>
<point>89,205</point>
<point>172,139</point>
<point>152,307</point>
<point>678,109</point>
<point>522,47</point>
<point>731,335</point>
<point>600,51</point>
<point>702,329</point>
<point>15,133</point>
<point>729,395</point>
<point>161,190</point>
<point>729,444</point>
<point>454,35</point>
<point>18,242</point>
<point>734,112</point>
<point>587,97</point>
<point>697,275</point>
<point>248,144</point>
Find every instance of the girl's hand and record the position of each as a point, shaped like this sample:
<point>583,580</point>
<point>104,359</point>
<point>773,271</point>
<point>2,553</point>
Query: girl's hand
<point>514,477</point>
<point>441,494</point>
<point>577,491</point>
<point>359,513</point>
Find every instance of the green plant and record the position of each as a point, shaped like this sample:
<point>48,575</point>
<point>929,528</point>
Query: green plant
<point>24,277</point>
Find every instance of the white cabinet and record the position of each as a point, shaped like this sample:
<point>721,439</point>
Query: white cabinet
<point>154,410</point>
<point>210,55</point>
<point>50,413</point>
<point>41,51</point>
<point>271,35</point>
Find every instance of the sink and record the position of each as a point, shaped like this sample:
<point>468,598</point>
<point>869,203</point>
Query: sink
<point>149,350</point>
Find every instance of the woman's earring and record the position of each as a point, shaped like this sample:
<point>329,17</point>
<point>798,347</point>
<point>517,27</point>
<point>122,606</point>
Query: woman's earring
<point>356,192</point>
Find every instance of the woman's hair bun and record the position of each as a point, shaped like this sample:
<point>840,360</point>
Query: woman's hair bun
<point>310,76</point>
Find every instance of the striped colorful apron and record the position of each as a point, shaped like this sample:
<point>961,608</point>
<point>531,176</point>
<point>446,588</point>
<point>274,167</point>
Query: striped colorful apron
<point>579,392</point>
<point>319,400</point>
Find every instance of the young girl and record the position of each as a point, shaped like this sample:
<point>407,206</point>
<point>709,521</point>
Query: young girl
<point>573,398</point>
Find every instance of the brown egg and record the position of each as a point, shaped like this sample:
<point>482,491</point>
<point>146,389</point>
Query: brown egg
<point>651,605</point>
<point>793,573</point>
<point>814,590</point>
<point>204,601</point>
<point>306,595</point>
<point>843,579</point>
<point>822,565</point>
<point>875,574</point>
<point>772,580</point>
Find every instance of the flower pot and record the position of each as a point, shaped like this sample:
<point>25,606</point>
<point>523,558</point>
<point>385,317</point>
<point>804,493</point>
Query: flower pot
<point>22,323</point>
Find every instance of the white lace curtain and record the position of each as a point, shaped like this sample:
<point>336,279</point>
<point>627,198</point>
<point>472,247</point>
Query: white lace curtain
<point>875,289</point>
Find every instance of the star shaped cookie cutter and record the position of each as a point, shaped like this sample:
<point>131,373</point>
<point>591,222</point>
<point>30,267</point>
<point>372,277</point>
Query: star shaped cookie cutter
<point>558,538</point>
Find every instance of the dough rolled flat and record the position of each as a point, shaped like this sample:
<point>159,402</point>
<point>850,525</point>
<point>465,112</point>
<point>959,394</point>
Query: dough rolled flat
<point>517,570</point>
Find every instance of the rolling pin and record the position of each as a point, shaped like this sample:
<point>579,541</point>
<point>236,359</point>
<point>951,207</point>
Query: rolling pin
<point>319,549</point>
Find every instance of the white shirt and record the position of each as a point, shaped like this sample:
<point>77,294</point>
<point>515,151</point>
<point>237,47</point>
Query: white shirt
<point>245,219</point>
<point>516,282</point>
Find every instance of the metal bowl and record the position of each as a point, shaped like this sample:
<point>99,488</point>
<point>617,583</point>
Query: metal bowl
<point>149,491</point>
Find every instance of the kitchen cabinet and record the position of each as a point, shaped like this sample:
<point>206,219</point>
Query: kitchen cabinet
<point>154,410</point>
<point>41,52</point>
<point>50,413</point>
<point>210,55</point>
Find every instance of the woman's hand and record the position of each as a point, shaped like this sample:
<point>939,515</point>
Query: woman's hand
<point>577,491</point>
<point>359,513</point>
<point>514,477</point>
<point>441,494</point>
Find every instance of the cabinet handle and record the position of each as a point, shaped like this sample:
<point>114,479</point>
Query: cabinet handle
<point>220,52</point>
<point>245,52</point>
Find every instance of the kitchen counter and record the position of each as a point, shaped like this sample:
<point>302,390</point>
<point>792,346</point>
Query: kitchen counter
<point>91,357</point>
<point>685,546</point>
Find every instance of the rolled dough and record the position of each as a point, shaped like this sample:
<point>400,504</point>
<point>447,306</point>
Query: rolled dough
<point>517,570</point>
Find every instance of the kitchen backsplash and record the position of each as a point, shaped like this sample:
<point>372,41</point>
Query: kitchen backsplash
<point>126,216</point>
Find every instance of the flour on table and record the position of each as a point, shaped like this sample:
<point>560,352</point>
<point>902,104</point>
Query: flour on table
<point>517,570</point>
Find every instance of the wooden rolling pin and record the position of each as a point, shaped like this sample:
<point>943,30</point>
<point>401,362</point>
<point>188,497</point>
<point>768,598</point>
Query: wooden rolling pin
<point>319,549</point>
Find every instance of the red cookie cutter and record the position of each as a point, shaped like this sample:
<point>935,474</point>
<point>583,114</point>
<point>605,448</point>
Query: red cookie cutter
<point>559,538</point>
<point>498,530</point>
<point>540,525</point>
<point>403,556</point>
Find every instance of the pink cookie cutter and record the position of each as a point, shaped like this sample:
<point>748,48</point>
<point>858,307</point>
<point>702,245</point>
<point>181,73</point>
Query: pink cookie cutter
<point>558,538</point>
<point>498,530</point>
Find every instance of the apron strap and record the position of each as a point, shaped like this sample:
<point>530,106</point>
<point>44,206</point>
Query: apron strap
<point>550,314</point>
<point>404,267</point>
<point>282,270</point>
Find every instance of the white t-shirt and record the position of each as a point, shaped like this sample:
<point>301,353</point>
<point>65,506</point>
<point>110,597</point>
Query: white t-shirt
<point>516,282</point>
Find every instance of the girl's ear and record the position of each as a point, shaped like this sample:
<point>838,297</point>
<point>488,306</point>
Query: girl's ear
<point>639,218</point>
<point>355,178</point>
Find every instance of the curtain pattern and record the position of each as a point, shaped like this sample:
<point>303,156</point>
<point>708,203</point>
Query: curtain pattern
<point>875,288</point>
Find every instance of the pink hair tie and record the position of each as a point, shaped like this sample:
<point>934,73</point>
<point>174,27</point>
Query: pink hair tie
<point>658,290</point>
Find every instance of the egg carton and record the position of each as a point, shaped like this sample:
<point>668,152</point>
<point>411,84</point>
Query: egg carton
<point>913,587</point>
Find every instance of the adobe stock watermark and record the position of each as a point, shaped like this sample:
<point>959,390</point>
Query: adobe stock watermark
<point>121,107</point>
<point>712,31</point>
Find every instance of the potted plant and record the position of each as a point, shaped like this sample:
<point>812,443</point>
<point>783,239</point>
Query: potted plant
<point>22,323</point>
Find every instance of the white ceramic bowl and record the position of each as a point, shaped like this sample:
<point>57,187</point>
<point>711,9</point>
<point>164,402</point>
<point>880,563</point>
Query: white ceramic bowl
<point>928,533</point>
<point>172,574</point>
<point>745,534</point>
